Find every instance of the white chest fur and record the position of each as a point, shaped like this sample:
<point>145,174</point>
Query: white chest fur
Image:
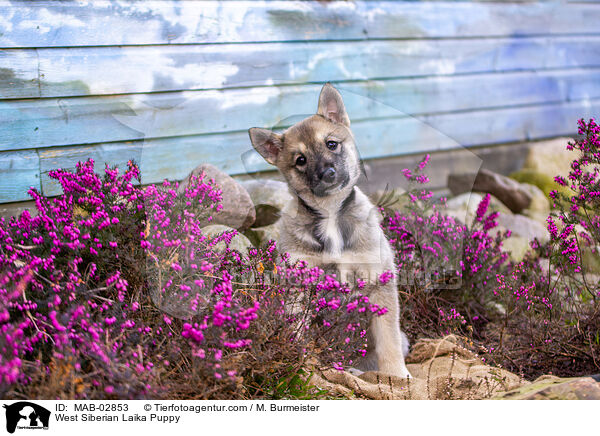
<point>329,231</point>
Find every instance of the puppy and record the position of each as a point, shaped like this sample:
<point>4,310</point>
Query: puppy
<point>330,222</point>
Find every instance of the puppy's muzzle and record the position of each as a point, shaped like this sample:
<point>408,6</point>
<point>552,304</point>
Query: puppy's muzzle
<point>328,175</point>
<point>324,178</point>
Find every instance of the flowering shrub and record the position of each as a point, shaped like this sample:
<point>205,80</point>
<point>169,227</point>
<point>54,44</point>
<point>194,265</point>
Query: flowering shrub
<point>577,233</point>
<point>112,290</point>
<point>552,298</point>
<point>65,300</point>
<point>441,261</point>
<point>538,316</point>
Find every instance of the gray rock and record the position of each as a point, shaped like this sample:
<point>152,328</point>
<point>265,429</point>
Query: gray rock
<point>550,157</point>
<point>269,198</point>
<point>238,210</point>
<point>548,387</point>
<point>524,227</point>
<point>267,233</point>
<point>464,207</point>
<point>239,242</point>
<point>516,246</point>
<point>508,191</point>
<point>252,237</point>
<point>260,235</point>
<point>539,208</point>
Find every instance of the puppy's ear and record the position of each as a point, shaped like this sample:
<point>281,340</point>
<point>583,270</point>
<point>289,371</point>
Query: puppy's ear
<point>331,105</point>
<point>267,143</point>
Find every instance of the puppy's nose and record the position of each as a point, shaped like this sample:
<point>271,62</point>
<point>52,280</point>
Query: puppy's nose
<point>329,175</point>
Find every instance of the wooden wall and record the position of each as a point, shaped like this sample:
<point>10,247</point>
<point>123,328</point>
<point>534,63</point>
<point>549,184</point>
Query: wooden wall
<point>173,84</point>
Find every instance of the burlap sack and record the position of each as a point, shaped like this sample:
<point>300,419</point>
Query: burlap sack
<point>441,370</point>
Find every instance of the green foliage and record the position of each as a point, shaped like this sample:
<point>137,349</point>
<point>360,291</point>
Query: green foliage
<point>536,178</point>
<point>295,385</point>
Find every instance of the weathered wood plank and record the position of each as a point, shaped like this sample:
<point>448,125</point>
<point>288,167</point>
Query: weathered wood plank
<point>65,24</point>
<point>121,70</point>
<point>70,121</point>
<point>173,158</point>
<point>19,171</point>
<point>67,158</point>
<point>28,124</point>
<point>514,124</point>
<point>476,92</point>
<point>19,74</point>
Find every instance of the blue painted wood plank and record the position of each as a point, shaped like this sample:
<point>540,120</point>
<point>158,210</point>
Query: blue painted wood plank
<point>67,158</point>
<point>19,171</point>
<point>28,124</point>
<point>421,96</point>
<point>65,24</point>
<point>71,121</point>
<point>19,74</point>
<point>120,70</point>
<point>514,124</point>
<point>174,158</point>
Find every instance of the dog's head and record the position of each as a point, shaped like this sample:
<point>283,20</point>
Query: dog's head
<point>317,156</point>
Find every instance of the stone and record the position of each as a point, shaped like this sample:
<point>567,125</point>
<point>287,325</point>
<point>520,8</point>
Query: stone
<point>517,247</point>
<point>238,210</point>
<point>239,242</point>
<point>555,388</point>
<point>550,157</point>
<point>542,180</point>
<point>261,235</point>
<point>523,226</point>
<point>497,206</point>
<point>266,233</point>
<point>464,207</point>
<point>252,237</point>
<point>269,198</point>
<point>507,190</point>
<point>539,208</point>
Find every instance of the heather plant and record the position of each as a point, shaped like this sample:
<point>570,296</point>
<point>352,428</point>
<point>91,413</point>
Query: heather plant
<point>574,227</point>
<point>537,316</point>
<point>65,303</point>
<point>445,266</point>
<point>112,291</point>
<point>552,297</point>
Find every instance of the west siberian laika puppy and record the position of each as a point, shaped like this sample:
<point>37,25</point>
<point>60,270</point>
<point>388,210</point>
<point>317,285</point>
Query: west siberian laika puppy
<point>330,223</point>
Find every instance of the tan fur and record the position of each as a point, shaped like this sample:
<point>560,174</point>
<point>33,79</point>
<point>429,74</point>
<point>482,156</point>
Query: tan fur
<point>334,223</point>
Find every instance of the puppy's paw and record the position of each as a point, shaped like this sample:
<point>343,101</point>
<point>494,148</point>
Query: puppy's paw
<point>405,374</point>
<point>399,371</point>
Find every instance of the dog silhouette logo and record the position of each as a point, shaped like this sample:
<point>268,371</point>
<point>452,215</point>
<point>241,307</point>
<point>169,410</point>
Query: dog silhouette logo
<point>26,415</point>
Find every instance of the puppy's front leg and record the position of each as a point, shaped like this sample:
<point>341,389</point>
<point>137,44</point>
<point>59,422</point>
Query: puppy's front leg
<point>386,334</point>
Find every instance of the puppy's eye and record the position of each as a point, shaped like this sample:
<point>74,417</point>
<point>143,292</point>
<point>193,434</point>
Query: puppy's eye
<point>301,160</point>
<point>332,145</point>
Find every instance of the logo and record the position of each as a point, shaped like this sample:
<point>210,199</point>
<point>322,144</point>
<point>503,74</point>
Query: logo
<point>26,415</point>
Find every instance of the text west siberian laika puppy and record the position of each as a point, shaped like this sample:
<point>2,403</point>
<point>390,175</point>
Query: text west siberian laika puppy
<point>330,222</point>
